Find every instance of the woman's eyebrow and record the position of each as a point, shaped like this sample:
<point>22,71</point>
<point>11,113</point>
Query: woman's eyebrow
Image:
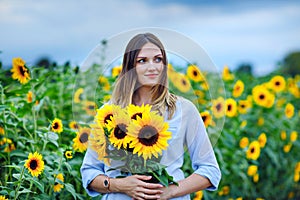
<point>146,56</point>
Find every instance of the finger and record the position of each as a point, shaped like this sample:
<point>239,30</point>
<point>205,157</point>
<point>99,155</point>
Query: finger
<point>152,192</point>
<point>152,185</point>
<point>143,177</point>
<point>149,196</point>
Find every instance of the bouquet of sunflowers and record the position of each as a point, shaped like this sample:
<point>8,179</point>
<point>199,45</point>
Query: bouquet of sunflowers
<point>134,136</point>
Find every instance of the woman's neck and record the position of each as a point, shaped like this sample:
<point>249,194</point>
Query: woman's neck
<point>142,96</point>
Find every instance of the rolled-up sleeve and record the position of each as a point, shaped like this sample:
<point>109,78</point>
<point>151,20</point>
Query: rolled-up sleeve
<point>90,168</point>
<point>200,149</point>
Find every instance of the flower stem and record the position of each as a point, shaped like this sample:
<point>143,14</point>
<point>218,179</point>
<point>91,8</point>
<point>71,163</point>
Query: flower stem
<point>31,182</point>
<point>19,183</point>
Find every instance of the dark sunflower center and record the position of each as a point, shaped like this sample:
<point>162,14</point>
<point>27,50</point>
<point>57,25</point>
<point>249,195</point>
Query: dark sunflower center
<point>229,107</point>
<point>84,137</point>
<point>75,126</point>
<point>55,125</point>
<point>136,114</point>
<point>69,154</point>
<point>243,105</point>
<point>277,83</point>
<point>107,118</point>
<point>22,71</point>
<point>91,107</point>
<point>262,96</point>
<point>204,118</point>
<point>218,107</point>
<point>33,164</point>
<point>195,73</point>
<point>184,82</point>
<point>148,136</point>
<point>120,131</point>
<point>252,150</point>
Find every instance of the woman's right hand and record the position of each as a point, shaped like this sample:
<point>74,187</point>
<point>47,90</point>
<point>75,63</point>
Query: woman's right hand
<point>136,187</point>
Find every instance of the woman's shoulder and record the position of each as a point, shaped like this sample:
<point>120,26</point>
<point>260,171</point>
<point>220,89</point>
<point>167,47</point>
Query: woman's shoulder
<point>186,104</point>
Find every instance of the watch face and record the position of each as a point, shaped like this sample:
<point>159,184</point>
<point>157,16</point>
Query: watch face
<point>105,183</point>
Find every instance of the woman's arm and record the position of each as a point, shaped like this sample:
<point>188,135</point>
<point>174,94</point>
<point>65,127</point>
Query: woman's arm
<point>134,186</point>
<point>193,183</point>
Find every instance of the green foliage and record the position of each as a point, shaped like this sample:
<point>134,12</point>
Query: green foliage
<point>27,124</point>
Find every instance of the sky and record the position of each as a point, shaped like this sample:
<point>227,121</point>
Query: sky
<point>261,33</point>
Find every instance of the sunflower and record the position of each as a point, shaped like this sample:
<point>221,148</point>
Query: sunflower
<point>253,151</point>
<point>35,164</point>
<point>90,108</point>
<point>29,97</point>
<point>256,178</point>
<point>20,71</point>
<point>57,125</point>
<point>226,75</point>
<point>10,146</point>
<point>198,195</point>
<point>262,96</point>
<point>73,125</point>
<point>289,110</point>
<point>260,121</point>
<point>262,139</point>
<point>3,197</point>
<point>106,98</point>
<point>104,115</point>
<point>103,81</point>
<point>98,142</point>
<point>231,107</point>
<point>137,111</point>
<point>205,85</point>
<point>69,154</point>
<point>218,107</point>
<point>287,147</point>
<point>277,83</point>
<point>293,136</point>
<point>181,82</point>
<point>118,127</point>
<point>206,117</point>
<point>238,89</point>
<point>2,131</point>
<point>81,140</point>
<point>243,124</point>
<point>116,71</point>
<point>283,135</point>
<point>57,185</point>
<point>78,95</point>
<point>224,191</point>
<point>293,87</point>
<point>148,135</point>
<point>194,73</point>
<point>244,142</point>
<point>252,170</point>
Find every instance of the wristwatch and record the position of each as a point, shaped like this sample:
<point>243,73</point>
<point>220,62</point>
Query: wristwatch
<point>106,183</point>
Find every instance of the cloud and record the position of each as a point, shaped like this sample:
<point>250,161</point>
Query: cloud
<point>230,34</point>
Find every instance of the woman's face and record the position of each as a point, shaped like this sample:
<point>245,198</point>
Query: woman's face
<point>149,65</point>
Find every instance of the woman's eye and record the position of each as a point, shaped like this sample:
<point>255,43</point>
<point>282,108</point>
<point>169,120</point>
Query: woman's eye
<point>158,59</point>
<point>141,61</point>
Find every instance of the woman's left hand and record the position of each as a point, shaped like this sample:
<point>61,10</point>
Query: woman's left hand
<point>168,192</point>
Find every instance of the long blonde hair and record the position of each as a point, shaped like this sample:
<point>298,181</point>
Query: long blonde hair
<point>127,83</point>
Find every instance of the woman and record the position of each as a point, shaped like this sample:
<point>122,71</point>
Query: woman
<point>143,80</point>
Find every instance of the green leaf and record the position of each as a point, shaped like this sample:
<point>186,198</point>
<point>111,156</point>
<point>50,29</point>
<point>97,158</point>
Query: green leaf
<point>39,185</point>
<point>70,189</point>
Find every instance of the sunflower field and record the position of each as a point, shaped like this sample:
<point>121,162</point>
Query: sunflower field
<point>46,113</point>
